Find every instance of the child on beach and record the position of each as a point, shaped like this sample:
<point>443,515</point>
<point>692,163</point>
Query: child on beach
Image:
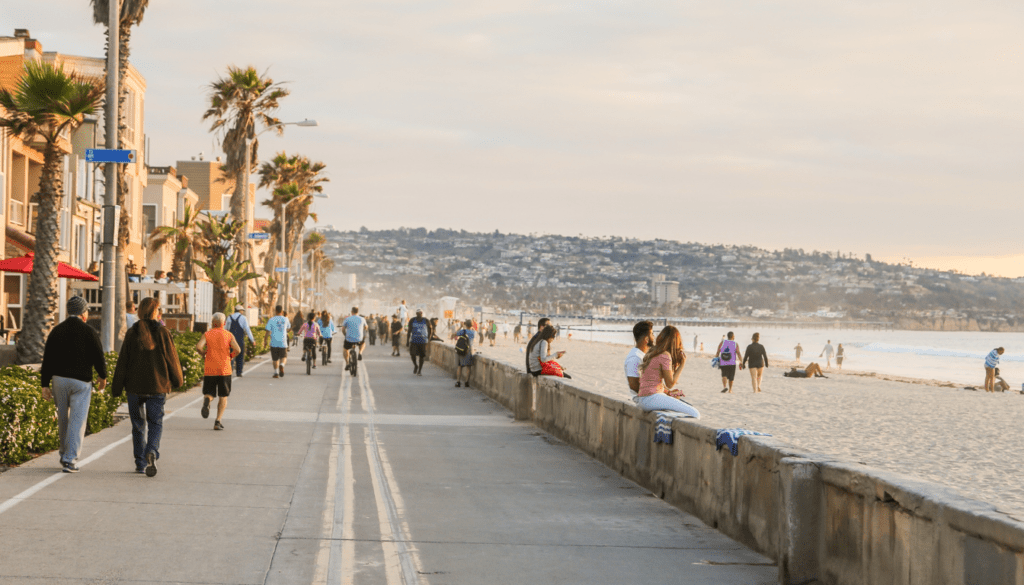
<point>991,363</point>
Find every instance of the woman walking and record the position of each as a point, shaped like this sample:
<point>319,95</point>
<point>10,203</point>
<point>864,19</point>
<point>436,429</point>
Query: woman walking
<point>755,359</point>
<point>659,374</point>
<point>218,347</point>
<point>147,369</point>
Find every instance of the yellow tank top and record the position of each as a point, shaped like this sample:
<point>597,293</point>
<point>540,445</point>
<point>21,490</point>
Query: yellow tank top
<point>218,352</point>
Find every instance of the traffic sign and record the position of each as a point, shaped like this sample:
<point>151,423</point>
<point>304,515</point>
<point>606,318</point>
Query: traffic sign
<point>106,155</point>
<point>281,269</point>
<point>259,236</point>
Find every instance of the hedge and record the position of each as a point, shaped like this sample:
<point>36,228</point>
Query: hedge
<point>28,424</point>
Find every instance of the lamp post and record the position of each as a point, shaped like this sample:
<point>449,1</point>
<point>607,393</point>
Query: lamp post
<point>246,220</point>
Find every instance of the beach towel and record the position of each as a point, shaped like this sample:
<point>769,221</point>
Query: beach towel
<point>731,437</point>
<point>663,428</point>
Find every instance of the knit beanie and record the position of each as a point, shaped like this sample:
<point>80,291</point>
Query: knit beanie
<point>76,306</point>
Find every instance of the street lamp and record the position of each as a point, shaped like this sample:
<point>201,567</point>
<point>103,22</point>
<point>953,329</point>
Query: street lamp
<point>246,220</point>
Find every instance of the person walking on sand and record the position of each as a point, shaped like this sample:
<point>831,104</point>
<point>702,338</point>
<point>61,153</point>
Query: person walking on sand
<point>72,351</point>
<point>728,357</point>
<point>827,352</point>
<point>278,326</point>
<point>991,363</point>
<point>238,326</point>
<point>218,347</point>
<point>694,344</point>
<point>755,359</point>
<point>839,356</point>
<point>798,350</point>
<point>659,374</point>
<point>147,370</point>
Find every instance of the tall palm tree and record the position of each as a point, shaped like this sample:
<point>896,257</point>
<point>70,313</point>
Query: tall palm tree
<point>226,273</point>
<point>184,238</point>
<point>131,15</point>
<point>304,178</point>
<point>46,102</point>
<point>217,237</point>
<point>238,102</point>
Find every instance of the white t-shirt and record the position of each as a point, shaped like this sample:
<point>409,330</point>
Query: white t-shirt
<point>403,312</point>
<point>633,360</point>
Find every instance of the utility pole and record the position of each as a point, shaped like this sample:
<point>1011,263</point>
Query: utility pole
<point>110,209</point>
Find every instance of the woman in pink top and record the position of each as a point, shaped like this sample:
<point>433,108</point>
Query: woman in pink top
<point>659,374</point>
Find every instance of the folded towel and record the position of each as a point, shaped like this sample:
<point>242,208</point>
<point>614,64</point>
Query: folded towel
<point>663,428</point>
<point>731,437</point>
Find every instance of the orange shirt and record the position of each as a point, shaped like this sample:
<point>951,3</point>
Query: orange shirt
<point>218,352</point>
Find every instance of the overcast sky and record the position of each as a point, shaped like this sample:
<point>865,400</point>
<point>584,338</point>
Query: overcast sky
<point>890,128</point>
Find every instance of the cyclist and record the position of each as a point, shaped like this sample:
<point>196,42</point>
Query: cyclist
<point>310,334</point>
<point>327,330</point>
<point>355,328</point>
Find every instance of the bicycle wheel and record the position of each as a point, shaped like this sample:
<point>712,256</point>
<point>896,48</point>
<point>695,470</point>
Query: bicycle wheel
<point>353,360</point>
<point>323,355</point>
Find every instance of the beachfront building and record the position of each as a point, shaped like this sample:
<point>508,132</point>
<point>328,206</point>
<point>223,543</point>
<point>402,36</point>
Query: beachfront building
<point>664,292</point>
<point>80,219</point>
<point>166,196</point>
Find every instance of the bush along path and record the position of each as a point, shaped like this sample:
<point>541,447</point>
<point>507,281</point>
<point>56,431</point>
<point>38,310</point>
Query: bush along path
<point>28,423</point>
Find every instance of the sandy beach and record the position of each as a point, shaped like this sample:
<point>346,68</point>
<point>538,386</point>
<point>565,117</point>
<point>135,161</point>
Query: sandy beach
<point>927,428</point>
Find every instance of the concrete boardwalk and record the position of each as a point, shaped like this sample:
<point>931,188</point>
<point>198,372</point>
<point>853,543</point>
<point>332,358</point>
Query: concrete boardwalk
<point>385,478</point>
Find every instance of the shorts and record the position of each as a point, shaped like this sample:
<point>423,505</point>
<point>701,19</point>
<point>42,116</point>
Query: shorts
<point>396,340</point>
<point>217,385</point>
<point>466,361</point>
<point>351,344</point>
<point>728,372</point>
<point>839,361</point>
<point>278,353</point>
<point>308,343</point>
<point>418,350</point>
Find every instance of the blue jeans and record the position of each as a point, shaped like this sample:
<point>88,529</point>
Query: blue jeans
<point>146,410</point>
<point>239,360</point>
<point>661,401</point>
<point>72,398</point>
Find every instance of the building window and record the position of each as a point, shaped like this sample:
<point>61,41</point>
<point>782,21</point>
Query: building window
<point>81,246</point>
<point>33,215</point>
<point>14,289</point>
<point>149,217</point>
<point>17,212</point>
<point>225,202</point>
<point>129,117</point>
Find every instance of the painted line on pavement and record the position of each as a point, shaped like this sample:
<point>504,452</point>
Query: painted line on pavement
<point>28,493</point>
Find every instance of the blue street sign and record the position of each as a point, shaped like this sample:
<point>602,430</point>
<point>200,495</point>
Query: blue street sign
<point>259,236</point>
<point>280,269</point>
<point>104,155</point>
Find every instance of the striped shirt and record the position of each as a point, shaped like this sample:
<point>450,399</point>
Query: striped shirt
<point>992,359</point>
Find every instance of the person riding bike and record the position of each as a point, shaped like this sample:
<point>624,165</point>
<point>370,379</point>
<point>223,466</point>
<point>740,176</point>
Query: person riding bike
<point>355,328</point>
<point>310,334</point>
<point>327,330</point>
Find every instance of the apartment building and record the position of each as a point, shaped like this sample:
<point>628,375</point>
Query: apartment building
<point>164,200</point>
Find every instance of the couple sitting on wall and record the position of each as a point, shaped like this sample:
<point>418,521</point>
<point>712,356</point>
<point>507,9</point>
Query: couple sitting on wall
<point>653,368</point>
<point>539,359</point>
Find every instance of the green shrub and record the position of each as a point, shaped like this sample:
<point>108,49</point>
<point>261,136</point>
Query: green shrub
<point>191,360</point>
<point>262,345</point>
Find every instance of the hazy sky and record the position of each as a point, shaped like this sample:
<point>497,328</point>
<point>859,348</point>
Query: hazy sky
<point>890,128</point>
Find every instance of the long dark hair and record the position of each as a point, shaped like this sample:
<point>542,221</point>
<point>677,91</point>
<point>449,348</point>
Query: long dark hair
<point>669,340</point>
<point>148,309</point>
<point>310,317</point>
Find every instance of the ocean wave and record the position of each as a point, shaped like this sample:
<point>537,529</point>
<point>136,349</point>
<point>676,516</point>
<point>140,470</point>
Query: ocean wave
<point>936,351</point>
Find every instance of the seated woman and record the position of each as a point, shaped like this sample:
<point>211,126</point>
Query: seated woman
<point>540,351</point>
<point>1001,384</point>
<point>812,369</point>
<point>659,374</point>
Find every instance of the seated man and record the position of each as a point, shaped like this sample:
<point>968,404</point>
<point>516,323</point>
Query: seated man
<point>643,334</point>
<point>812,369</point>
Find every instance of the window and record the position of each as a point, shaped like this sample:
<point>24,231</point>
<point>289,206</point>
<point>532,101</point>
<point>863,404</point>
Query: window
<point>149,217</point>
<point>33,213</point>
<point>81,247</point>
<point>14,285</point>
<point>17,212</point>
<point>129,117</point>
<point>225,203</point>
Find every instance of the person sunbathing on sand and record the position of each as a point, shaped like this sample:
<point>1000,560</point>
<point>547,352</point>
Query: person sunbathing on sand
<point>1001,384</point>
<point>812,369</point>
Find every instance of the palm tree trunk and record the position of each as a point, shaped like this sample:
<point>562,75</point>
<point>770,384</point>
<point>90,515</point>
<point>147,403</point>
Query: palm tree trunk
<point>239,203</point>
<point>42,288</point>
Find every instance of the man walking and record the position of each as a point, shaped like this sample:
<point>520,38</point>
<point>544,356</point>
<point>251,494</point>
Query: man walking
<point>396,336</point>
<point>420,332</point>
<point>278,326</point>
<point>72,350</point>
<point>238,326</point>
<point>827,352</point>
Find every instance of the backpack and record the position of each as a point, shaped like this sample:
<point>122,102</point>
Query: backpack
<point>726,353</point>
<point>236,327</point>
<point>462,343</point>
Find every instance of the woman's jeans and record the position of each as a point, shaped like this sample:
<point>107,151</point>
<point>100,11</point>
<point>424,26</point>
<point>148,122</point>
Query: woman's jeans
<point>146,410</point>
<point>661,401</point>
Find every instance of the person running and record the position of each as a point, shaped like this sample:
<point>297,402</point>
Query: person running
<point>278,327</point>
<point>643,336</point>
<point>728,356</point>
<point>839,356</point>
<point>659,374</point>
<point>309,332</point>
<point>827,353</point>
<point>466,360</point>
<point>147,370</point>
<point>396,336</point>
<point>238,326</point>
<point>755,359</point>
<point>354,327</point>
<point>991,363</point>
<point>327,330</point>
<point>420,332</point>
<point>73,350</point>
<point>218,347</point>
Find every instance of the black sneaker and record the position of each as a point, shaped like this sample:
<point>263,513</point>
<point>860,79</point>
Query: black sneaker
<point>282,371</point>
<point>70,468</point>
<point>360,357</point>
<point>206,407</point>
<point>458,384</point>
<point>217,426</point>
<point>150,464</point>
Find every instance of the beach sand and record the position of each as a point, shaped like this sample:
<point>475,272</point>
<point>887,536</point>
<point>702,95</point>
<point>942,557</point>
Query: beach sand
<point>926,428</point>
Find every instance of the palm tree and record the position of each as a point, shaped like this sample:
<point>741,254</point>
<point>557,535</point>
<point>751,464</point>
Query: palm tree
<point>238,102</point>
<point>305,178</point>
<point>185,238</point>
<point>226,273</point>
<point>131,15</point>
<point>46,103</point>
<point>216,236</point>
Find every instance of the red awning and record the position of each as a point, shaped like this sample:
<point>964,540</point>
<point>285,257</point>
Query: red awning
<point>23,264</point>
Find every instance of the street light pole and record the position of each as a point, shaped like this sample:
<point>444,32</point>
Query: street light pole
<point>110,170</point>
<point>284,257</point>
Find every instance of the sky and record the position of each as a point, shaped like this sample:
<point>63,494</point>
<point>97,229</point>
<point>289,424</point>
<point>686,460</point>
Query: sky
<point>895,129</point>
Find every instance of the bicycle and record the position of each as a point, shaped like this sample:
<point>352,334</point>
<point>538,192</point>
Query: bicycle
<point>353,359</point>
<point>323,353</point>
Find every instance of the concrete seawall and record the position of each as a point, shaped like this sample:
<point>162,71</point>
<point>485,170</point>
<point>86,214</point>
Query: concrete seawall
<point>824,520</point>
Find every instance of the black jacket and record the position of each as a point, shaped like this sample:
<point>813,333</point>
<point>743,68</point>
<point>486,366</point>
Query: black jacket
<point>755,356</point>
<point>146,372</point>
<point>73,349</point>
